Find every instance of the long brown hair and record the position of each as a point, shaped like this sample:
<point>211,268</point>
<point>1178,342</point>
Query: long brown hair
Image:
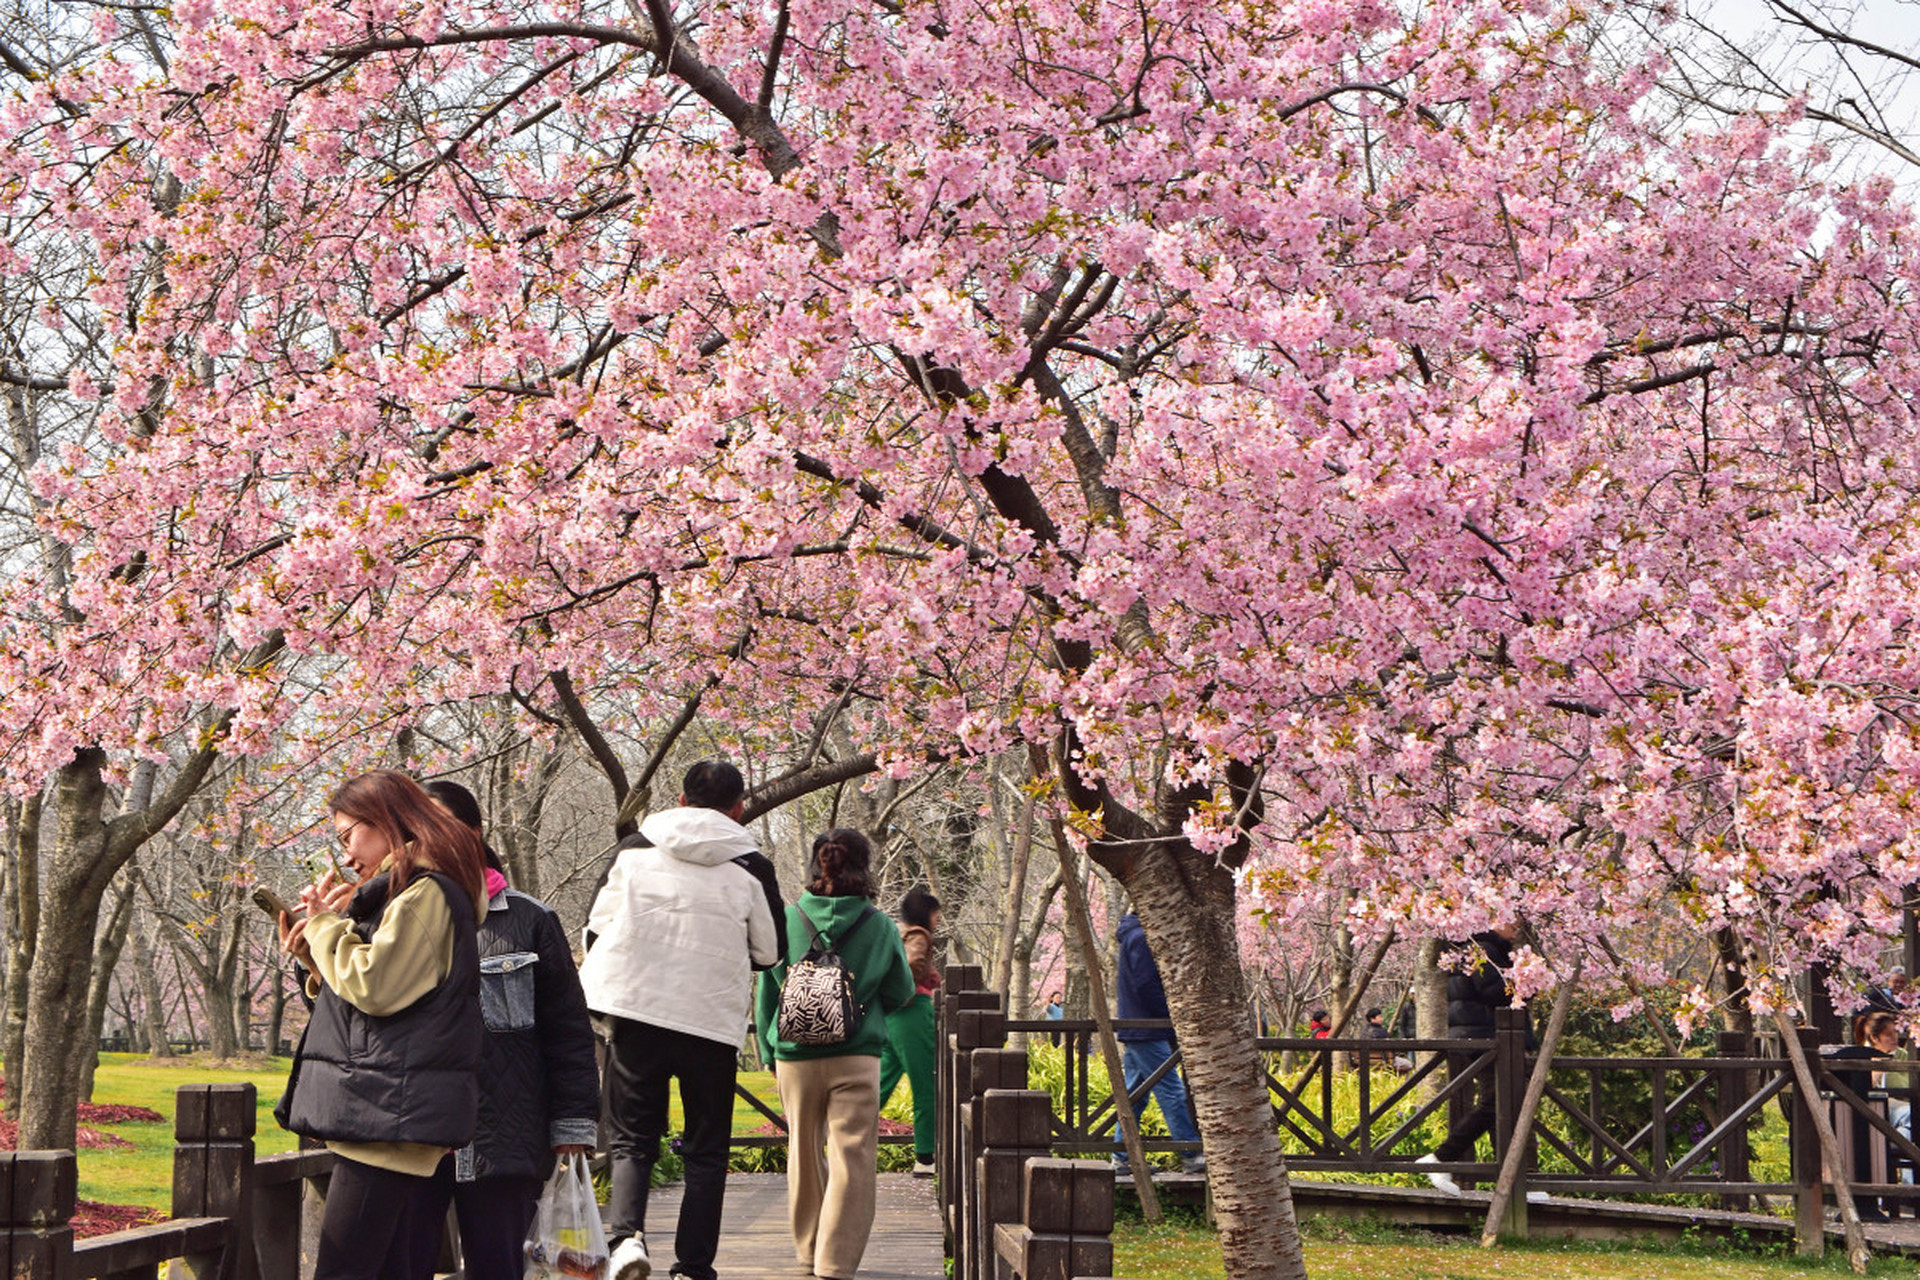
<point>420,835</point>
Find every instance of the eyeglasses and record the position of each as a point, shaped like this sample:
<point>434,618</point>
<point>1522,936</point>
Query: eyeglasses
<point>342,833</point>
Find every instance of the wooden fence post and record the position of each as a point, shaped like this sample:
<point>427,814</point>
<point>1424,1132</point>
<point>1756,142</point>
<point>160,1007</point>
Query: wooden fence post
<point>1510,1087</point>
<point>1809,1201</point>
<point>975,1030</point>
<point>959,996</point>
<point>1067,1209</point>
<point>1012,1126</point>
<point>1732,1087</point>
<point>213,1172</point>
<point>950,1161</point>
<point>37,1190</point>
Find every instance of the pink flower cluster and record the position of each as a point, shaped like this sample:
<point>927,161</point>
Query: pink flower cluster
<point>1528,489</point>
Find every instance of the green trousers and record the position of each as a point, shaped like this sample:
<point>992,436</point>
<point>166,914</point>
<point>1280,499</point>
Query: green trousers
<point>909,1052</point>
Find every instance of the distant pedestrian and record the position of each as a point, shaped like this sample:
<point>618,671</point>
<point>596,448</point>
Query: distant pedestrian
<point>1888,998</point>
<point>1376,1029</point>
<point>674,936</point>
<point>1144,1050</point>
<point>1319,1025</point>
<point>911,1049</point>
<point>385,1072</point>
<point>831,1093</point>
<point>539,1087</point>
<point>1056,1011</point>
<point>1473,995</point>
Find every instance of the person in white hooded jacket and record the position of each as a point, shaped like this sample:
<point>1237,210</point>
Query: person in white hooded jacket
<point>672,941</point>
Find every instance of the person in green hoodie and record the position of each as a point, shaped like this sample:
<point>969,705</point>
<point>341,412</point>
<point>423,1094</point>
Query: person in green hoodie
<point>831,1093</point>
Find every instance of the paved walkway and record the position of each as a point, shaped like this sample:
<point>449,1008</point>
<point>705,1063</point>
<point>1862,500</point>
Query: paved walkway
<point>756,1245</point>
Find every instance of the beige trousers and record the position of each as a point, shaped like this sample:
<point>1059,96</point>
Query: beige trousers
<point>833,1140</point>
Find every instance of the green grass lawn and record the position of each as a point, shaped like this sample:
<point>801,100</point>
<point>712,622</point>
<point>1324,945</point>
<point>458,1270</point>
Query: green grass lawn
<point>144,1175</point>
<point>1181,1249</point>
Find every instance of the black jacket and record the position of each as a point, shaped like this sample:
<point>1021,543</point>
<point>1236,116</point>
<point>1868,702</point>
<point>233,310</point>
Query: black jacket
<point>405,1077</point>
<point>538,1084</point>
<point>760,867</point>
<point>1473,994</point>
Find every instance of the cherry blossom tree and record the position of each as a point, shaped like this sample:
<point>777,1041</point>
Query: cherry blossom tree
<point>1358,442</point>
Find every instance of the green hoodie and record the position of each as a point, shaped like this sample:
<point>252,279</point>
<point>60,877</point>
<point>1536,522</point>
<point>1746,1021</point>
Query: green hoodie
<point>872,953</point>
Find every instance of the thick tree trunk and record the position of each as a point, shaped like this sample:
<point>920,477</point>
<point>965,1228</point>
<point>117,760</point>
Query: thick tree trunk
<point>1186,902</point>
<point>153,1006</point>
<point>23,922</point>
<point>276,1008</point>
<point>88,850</point>
<point>1340,990</point>
<point>112,941</point>
<point>222,1042</point>
<point>1012,907</point>
<point>1429,1004</point>
<point>242,998</point>
<point>63,957</point>
<point>1735,1010</point>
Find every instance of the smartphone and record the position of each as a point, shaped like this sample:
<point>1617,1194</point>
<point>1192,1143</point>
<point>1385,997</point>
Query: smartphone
<point>270,902</point>
<point>318,863</point>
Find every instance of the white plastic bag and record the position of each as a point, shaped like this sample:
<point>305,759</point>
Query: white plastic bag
<point>567,1242</point>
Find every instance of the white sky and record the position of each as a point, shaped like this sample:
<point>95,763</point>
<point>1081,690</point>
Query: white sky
<point>1809,64</point>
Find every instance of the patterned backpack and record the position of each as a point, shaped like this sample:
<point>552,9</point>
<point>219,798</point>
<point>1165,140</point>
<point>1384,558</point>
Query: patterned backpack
<point>817,1005</point>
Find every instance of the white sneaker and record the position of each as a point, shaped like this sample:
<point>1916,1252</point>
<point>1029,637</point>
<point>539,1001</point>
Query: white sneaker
<point>1536,1197</point>
<point>630,1260</point>
<point>923,1168</point>
<point>1441,1180</point>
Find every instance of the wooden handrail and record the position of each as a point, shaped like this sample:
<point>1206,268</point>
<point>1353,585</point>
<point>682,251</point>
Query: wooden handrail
<point>144,1248</point>
<point>234,1217</point>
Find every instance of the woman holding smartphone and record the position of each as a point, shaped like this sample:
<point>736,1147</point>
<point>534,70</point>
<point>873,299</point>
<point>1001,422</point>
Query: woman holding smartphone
<point>385,1073</point>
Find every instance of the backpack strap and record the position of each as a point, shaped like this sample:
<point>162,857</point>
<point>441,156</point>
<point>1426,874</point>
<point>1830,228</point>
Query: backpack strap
<point>825,945</point>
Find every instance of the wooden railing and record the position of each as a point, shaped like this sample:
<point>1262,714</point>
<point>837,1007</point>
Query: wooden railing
<point>235,1217</point>
<point>1691,1134</point>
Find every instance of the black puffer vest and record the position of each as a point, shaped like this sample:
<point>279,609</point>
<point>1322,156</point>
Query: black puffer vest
<point>406,1077</point>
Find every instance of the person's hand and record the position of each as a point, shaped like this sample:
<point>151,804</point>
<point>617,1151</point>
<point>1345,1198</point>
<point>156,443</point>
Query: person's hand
<point>330,894</point>
<point>293,940</point>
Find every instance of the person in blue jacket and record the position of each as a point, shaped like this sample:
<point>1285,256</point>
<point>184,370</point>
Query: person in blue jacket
<point>1139,994</point>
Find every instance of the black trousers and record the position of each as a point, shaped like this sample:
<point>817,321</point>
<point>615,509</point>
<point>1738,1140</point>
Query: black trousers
<point>495,1215</point>
<point>640,1061</point>
<point>377,1225</point>
<point>1460,1139</point>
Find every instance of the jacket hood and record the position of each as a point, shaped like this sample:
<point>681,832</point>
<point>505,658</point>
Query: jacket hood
<point>705,837</point>
<point>829,915</point>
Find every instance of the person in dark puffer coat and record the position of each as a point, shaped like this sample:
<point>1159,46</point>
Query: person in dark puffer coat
<point>1473,994</point>
<point>539,1086</point>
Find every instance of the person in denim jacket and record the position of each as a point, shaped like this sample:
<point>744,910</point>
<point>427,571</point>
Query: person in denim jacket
<point>539,1087</point>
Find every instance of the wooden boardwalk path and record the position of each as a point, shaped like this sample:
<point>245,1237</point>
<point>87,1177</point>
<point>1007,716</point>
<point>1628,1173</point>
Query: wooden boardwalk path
<point>756,1245</point>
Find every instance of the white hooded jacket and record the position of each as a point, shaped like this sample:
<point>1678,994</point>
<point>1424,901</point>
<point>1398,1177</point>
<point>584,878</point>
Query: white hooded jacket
<point>677,928</point>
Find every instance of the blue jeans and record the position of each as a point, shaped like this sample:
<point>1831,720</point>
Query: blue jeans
<point>1140,1059</point>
